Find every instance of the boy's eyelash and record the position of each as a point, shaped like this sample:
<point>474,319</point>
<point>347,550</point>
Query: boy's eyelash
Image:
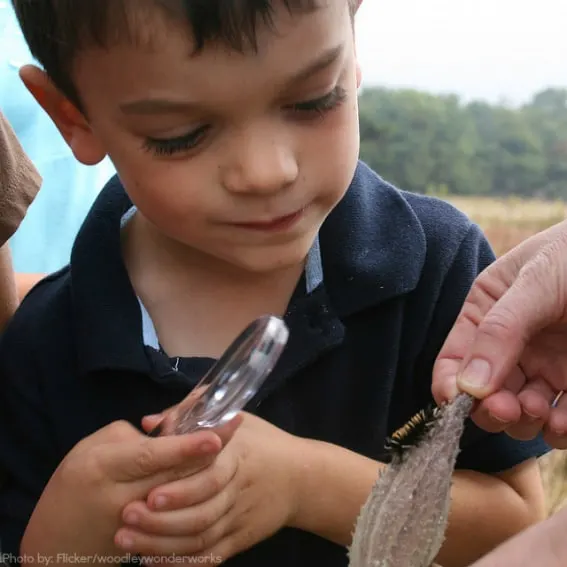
<point>323,104</point>
<point>171,146</point>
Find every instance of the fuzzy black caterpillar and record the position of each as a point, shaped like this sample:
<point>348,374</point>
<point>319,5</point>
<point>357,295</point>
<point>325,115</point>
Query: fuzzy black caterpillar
<point>410,434</point>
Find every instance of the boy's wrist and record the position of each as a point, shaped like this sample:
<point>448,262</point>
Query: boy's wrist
<point>331,486</point>
<point>306,475</point>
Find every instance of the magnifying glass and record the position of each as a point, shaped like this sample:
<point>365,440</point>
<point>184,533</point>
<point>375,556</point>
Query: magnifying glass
<point>233,380</point>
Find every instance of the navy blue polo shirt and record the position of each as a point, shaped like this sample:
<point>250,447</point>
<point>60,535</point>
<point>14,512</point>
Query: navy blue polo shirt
<point>384,283</point>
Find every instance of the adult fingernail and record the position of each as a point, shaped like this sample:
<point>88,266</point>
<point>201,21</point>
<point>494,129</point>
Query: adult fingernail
<point>530,417</point>
<point>452,390</point>
<point>476,374</point>
<point>498,419</point>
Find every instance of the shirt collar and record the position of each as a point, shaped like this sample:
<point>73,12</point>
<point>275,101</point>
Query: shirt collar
<point>370,248</point>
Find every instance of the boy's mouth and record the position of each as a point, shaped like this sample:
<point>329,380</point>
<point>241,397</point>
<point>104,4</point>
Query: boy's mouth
<point>276,224</point>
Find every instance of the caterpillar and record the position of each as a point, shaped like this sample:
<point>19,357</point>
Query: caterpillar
<point>412,432</point>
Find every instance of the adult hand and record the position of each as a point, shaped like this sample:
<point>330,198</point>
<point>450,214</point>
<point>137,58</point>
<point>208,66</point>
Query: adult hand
<point>508,347</point>
<point>19,182</point>
<point>543,544</point>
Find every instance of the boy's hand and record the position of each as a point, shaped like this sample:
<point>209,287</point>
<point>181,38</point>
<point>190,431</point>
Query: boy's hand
<point>101,474</point>
<point>246,494</point>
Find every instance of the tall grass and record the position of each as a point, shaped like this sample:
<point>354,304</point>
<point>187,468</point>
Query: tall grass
<point>506,222</point>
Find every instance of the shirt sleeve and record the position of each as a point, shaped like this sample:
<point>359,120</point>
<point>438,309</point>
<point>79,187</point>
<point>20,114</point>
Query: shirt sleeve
<point>28,455</point>
<point>480,450</point>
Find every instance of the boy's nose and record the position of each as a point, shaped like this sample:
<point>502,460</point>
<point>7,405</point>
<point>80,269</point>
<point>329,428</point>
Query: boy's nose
<point>263,169</point>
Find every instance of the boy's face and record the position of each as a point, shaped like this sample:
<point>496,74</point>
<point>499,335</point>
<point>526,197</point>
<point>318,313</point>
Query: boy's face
<point>238,156</point>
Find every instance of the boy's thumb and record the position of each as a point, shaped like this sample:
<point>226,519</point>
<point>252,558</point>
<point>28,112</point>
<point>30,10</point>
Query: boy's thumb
<point>503,334</point>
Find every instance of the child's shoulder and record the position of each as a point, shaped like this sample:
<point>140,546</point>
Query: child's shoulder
<point>439,222</point>
<point>386,239</point>
<point>41,317</point>
<point>378,206</point>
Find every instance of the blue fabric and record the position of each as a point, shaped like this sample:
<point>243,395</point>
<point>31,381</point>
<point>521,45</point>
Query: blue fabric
<point>44,240</point>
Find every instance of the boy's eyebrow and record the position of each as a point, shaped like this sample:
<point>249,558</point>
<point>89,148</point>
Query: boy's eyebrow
<point>164,106</point>
<point>155,106</point>
<point>321,63</point>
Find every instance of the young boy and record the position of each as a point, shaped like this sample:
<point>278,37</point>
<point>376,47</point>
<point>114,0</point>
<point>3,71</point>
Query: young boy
<point>233,128</point>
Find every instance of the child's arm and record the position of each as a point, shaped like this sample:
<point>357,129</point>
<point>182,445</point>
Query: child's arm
<point>486,509</point>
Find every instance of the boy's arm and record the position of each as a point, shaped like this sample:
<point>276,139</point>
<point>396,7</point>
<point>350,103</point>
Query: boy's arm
<point>489,509</point>
<point>488,505</point>
<point>486,509</point>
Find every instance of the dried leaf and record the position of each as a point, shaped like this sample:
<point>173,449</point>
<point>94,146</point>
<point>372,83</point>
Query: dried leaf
<point>403,522</point>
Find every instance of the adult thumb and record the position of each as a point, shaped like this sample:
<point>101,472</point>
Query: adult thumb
<point>529,305</point>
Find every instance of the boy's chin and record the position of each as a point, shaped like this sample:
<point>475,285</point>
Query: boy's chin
<point>269,260</point>
<point>260,264</point>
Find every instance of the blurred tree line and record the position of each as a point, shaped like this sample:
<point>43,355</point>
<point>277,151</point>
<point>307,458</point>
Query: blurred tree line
<point>436,144</point>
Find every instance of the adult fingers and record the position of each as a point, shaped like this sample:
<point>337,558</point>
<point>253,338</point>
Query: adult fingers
<point>497,412</point>
<point>530,304</point>
<point>535,400</point>
<point>486,290</point>
<point>555,432</point>
<point>502,409</point>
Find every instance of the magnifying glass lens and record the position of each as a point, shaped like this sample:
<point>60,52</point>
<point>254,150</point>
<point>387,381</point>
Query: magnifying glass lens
<point>232,382</point>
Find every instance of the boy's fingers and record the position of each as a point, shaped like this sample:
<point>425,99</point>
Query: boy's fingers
<point>225,432</point>
<point>150,422</point>
<point>148,457</point>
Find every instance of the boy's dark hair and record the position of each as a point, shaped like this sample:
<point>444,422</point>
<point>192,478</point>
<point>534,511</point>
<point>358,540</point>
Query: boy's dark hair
<point>56,30</point>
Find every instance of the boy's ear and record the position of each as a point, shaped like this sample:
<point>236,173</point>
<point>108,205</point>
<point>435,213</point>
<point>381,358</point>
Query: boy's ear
<point>70,122</point>
<point>357,4</point>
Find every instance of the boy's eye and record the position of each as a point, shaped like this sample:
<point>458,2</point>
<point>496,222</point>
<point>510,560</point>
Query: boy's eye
<point>170,146</point>
<point>323,104</point>
<point>186,142</point>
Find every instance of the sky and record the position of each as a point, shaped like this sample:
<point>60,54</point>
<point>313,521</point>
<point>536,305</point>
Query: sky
<point>495,50</point>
